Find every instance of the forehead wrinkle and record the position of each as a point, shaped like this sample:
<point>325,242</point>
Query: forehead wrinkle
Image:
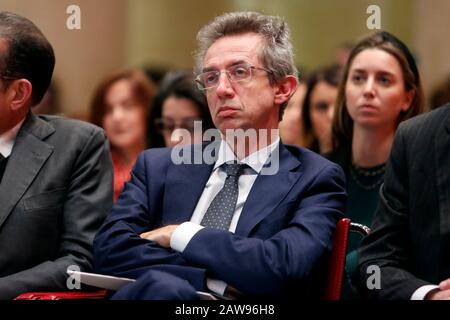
<point>232,48</point>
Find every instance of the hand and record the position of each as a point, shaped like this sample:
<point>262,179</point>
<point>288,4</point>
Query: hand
<point>443,293</point>
<point>161,236</point>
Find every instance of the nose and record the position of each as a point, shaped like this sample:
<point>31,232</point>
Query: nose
<point>117,113</point>
<point>331,111</point>
<point>369,88</point>
<point>224,87</point>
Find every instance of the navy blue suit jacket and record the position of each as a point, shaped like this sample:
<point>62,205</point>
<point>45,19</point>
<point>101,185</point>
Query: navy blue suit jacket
<point>283,234</point>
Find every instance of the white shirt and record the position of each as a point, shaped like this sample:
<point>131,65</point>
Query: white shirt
<point>420,293</point>
<point>185,231</point>
<point>8,138</point>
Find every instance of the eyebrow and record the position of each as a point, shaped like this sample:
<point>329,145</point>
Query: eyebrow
<point>235,63</point>
<point>364,71</point>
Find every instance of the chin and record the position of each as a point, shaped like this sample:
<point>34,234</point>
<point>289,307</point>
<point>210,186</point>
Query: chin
<point>369,123</point>
<point>122,143</point>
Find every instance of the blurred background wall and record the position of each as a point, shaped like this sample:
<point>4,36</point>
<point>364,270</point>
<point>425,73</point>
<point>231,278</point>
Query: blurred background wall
<point>160,34</point>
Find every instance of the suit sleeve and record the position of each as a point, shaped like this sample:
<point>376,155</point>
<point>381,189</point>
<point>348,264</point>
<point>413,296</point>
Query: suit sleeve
<point>266,267</point>
<point>388,246</point>
<point>118,248</point>
<point>87,202</point>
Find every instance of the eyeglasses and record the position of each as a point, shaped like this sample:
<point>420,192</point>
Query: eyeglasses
<point>236,73</point>
<point>169,125</point>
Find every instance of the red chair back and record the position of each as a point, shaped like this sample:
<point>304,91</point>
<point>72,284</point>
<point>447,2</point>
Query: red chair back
<point>336,264</point>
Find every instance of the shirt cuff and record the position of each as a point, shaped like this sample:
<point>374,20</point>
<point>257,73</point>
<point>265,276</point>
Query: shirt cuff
<point>183,234</point>
<point>420,293</point>
<point>216,286</point>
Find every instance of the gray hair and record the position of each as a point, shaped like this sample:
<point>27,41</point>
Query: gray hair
<point>277,54</point>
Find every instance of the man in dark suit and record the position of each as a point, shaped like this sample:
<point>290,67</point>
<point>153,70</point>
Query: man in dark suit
<point>258,218</point>
<point>407,256</point>
<point>55,174</point>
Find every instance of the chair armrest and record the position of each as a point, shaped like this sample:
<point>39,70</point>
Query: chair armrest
<point>359,228</point>
<point>69,295</point>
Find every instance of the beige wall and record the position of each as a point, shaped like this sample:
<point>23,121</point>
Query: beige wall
<point>82,56</point>
<point>432,40</point>
<point>163,32</point>
<point>119,33</point>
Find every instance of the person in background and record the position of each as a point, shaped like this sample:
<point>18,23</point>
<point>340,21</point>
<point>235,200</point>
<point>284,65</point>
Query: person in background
<point>120,105</point>
<point>291,125</point>
<point>55,173</point>
<point>318,108</point>
<point>343,52</point>
<point>381,87</point>
<point>177,105</point>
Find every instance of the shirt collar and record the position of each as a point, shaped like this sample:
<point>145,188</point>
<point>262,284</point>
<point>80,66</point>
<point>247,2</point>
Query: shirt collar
<point>8,138</point>
<point>256,160</point>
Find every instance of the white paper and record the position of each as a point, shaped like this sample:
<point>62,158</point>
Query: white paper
<point>115,283</point>
<point>100,280</point>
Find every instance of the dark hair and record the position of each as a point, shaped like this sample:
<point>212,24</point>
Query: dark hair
<point>342,129</point>
<point>143,90</point>
<point>29,54</point>
<point>178,84</point>
<point>330,75</point>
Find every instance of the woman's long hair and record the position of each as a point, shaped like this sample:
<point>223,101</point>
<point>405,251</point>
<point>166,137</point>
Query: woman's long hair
<point>342,129</point>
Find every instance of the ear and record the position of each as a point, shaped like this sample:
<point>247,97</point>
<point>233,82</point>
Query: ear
<point>285,89</point>
<point>20,93</point>
<point>409,96</point>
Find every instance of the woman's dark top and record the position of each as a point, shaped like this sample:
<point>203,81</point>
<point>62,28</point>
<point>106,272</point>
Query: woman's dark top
<point>363,186</point>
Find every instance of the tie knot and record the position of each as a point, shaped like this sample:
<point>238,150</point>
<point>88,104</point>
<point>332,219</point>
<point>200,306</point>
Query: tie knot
<point>234,169</point>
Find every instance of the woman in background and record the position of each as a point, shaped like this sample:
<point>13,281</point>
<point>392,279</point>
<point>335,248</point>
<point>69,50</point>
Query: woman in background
<point>381,87</point>
<point>318,108</point>
<point>178,104</point>
<point>291,125</point>
<point>120,106</point>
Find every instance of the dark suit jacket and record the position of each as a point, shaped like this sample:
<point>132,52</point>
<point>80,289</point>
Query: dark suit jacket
<point>284,230</point>
<point>55,193</point>
<point>410,241</point>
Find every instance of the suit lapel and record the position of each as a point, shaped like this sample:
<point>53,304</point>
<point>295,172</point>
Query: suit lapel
<point>184,186</point>
<point>268,191</point>
<point>27,158</point>
<point>442,165</point>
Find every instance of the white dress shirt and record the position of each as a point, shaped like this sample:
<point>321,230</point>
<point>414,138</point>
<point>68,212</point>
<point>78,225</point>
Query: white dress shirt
<point>185,231</point>
<point>420,293</point>
<point>8,138</point>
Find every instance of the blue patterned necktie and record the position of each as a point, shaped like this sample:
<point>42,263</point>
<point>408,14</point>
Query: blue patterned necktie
<point>221,210</point>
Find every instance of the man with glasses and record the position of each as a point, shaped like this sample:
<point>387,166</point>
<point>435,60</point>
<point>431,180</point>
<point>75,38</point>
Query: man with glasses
<point>228,226</point>
<point>55,174</point>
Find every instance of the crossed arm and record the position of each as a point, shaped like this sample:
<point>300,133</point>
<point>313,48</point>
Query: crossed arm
<point>265,266</point>
<point>126,245</point>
